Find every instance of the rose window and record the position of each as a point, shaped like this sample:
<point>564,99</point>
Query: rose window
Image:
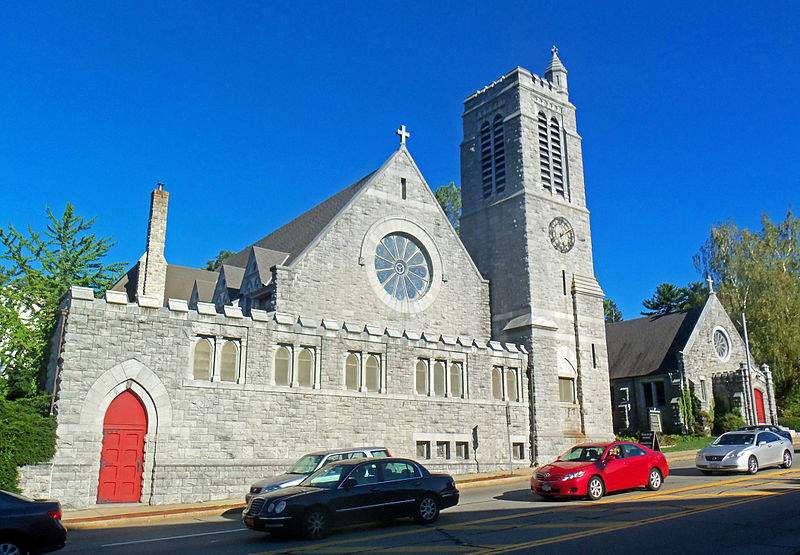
<point>402,266</point>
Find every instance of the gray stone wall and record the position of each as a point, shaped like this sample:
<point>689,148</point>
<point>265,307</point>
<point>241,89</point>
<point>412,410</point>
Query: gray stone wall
<point>209,439</point>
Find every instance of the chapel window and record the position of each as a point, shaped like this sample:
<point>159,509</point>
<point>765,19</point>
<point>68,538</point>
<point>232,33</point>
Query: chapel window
<point>373,369</point>
<point>566,390</point>
<point>421,377</point>
<point>305,368</point>
<point>229,361</point>
<point>497,383</point>
<point>456,389</point>
<point>282,366</point>
<point>439,385</point>
<point>202,359</point>
<point>511,384</point>
<point>493,156</point>
<point>351,372</point>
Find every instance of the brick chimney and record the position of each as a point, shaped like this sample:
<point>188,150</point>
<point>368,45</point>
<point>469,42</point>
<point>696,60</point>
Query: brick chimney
<point>153,266</point>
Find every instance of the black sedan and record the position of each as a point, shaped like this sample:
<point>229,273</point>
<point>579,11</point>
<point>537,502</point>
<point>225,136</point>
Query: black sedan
<point>353,491</point>
<point>28,525</point>
<point>768,428</point>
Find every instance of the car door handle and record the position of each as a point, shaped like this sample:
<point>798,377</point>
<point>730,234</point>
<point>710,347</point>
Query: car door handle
<point>375,490</point>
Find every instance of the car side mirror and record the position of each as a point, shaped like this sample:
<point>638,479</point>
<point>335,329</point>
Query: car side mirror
<point>349,483</point>
<point>610,458</point>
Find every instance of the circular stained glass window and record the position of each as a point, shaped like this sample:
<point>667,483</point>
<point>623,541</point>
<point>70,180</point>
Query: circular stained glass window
<point>721,345</point>
<point>402,266</point>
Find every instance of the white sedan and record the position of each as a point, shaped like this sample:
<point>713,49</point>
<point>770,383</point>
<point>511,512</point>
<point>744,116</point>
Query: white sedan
<point>745,452</point>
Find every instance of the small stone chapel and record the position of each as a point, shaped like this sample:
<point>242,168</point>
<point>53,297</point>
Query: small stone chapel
<point>366,320</point>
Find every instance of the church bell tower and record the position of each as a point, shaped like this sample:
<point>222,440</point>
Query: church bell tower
<point>525,223</point>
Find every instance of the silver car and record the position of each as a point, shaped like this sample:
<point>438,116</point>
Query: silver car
<point>745,452</point>
<point>311,462</point>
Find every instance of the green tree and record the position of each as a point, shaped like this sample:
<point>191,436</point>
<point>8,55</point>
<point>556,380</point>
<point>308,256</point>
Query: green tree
<point>668,298</point>
<point>38,269</point>
<point>214,264</point>
<point>696,294</point>
<point>611,312</point>
<point>449,197</point>
<point>757,273</point>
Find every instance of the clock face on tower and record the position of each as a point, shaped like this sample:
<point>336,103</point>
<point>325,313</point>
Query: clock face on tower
<point>562,234</point>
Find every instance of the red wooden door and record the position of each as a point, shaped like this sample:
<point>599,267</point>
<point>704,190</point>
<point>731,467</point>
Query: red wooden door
<point>123,450</point>
<point>759,406</point>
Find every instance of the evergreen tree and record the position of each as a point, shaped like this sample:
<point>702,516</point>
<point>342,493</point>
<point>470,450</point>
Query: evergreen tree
<point>214,264</point>
<point>449,197</point>
<point>611,312</point>
<point>668,298</point>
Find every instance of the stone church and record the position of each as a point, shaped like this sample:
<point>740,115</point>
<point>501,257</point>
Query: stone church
<point>365,321</point>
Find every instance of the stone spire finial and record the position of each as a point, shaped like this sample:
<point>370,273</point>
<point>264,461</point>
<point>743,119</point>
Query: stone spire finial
<point>556,73</point>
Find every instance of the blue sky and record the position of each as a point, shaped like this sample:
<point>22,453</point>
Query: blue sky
<point>253,112</point>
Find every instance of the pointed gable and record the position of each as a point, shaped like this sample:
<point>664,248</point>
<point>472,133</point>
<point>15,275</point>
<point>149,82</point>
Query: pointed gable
<point>648,345</point>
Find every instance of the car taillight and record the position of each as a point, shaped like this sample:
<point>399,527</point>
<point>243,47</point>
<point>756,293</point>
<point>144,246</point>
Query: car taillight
<point>55,514</point>
<point>388,454</point>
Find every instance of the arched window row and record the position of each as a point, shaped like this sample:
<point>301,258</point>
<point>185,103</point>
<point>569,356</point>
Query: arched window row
<point>217,359</point>
<point>439,378</point>
<point>493,156</point>
<point>364,372</point>
<point>506,384</point>
<point>551,155</point>
<point>295,366</point>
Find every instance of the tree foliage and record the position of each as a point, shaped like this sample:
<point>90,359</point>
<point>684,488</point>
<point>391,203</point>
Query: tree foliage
<point>27,436</point>
<point>37,270</point>
<point>214,264</point>
<point>757,273</point>
<point>611,311</point>
<point>671,298</point>
<point>449,197</point>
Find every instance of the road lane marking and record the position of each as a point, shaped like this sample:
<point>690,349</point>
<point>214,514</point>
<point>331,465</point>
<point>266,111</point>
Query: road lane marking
<point>562,508</point>
<point>614,527</point>
<point>174,537</point>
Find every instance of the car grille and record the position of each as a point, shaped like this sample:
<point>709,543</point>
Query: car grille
<point>714,458</point>
<point>541,477</point>
<point>255,506</point>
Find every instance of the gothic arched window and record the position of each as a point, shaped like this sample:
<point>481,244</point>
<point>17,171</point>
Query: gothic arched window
<point>456,389</point>
<point>555,151</point>
<point>486,159</point>
<point>202,359</point>
<point>493,156</point>
<point>497,383</point>
<point>421,377</point>
<point>372,369</point>
<point>511,385</point>
<point>544,152</point>
<point>439,384</point>
<point>351,372</point>
<point>499,154</point>
<point>282,366</point>
<point>305,368</point>
<point>229,361</point>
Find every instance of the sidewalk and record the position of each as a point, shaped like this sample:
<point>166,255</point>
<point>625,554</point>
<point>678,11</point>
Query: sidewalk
<point>133,514</point>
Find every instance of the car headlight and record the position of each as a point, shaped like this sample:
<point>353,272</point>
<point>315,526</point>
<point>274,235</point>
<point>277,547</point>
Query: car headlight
<point>573,475</point>
<point>280,506</point>
<point>732,455</point>
<point>271,507</point>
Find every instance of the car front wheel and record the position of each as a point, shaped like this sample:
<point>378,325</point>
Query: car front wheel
<point>655,480</point>
<point>596,488</point>
<point>787,459</point>
<point>752,465</point>
<point>316,524</point>
<point>427,510</point>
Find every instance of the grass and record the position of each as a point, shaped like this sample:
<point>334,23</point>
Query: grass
<point>684,443</point>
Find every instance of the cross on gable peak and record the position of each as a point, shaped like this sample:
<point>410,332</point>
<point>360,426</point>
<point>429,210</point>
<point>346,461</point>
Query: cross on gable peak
<point>710,282</point>
<point>554,50</point>
<point>403,135</point>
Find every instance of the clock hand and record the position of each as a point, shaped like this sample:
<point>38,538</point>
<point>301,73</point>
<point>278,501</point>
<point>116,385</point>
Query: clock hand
<point>567,231</point>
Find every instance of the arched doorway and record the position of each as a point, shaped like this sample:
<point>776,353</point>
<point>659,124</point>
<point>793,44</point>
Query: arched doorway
<point>759,398</point>
<point>122,458</point>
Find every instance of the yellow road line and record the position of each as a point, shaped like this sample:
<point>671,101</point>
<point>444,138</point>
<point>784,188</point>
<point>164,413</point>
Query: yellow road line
<point>563,508</point>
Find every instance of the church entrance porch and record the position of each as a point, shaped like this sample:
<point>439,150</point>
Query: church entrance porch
<point>121,459</point>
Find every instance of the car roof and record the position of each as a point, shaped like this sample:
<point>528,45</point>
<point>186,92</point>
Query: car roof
<point>354,462</point>
<point>346,450</point>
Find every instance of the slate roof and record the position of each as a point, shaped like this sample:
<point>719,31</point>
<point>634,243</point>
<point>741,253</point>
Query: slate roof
<point>266,259</point>
<point>648,345</point>
<point>295,236</point>
<point>205,290</point>
<point>179,283</point>
<point>233,276</point>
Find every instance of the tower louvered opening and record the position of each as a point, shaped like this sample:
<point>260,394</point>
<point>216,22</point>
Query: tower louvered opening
<point>555,152</point>
<point>499,155</point>
<point>544,152</point>
<point>486,159</point>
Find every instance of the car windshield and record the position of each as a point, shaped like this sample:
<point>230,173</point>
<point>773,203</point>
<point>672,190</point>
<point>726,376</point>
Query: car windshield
<point>328,476</point>
<point>735,439</point>
<point>306,465</point>
<point>582,454</point>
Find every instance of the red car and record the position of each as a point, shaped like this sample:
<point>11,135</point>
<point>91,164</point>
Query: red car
<point>592,469</point>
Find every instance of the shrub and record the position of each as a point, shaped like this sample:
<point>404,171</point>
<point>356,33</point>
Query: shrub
<point>727,422</point>
<point>27,436</point>
<point>792,422</point>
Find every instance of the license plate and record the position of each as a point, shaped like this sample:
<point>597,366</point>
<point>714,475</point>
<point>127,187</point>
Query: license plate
<point>546,487</point>
<point>713,464</point>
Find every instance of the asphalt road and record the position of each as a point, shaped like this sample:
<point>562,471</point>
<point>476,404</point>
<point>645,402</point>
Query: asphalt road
<point>692,513</point>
